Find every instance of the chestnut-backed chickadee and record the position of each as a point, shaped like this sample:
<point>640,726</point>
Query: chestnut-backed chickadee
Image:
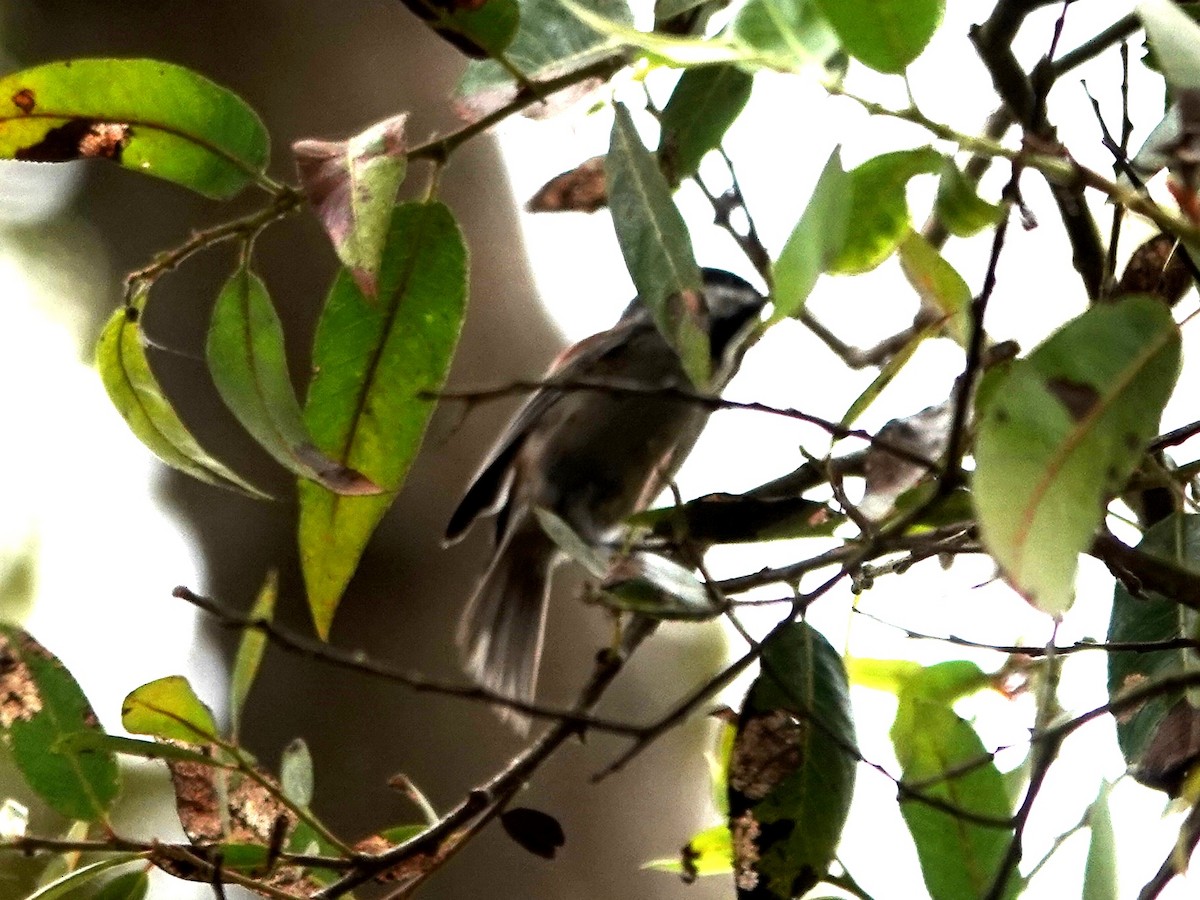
<point>592,458</point>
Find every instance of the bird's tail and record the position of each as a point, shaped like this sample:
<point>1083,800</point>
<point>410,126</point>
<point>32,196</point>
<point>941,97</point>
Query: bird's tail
<point>501,630</point>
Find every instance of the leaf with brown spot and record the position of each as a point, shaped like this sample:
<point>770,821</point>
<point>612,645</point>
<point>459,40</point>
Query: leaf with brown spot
<point>41,708</point>
<point>24,100</point>
<point>536,831</point>
<point>78,139</point>
<point>1078,398</point>
<point>352,186</point>
<point>582,189</point>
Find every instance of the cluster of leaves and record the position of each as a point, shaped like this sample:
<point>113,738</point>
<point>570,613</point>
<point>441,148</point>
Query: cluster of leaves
<point>1055,437</point>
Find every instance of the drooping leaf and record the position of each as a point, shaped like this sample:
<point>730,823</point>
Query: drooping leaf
<point>550,41</point>
<point>705,102</point>
<point>168,708</point>
<point>137,396</point>
<point>1159,738</point>
<point>959,207</point>
<point>1100,870</point>
<point>960,857</point>
<point>152,117</point>
<point>791,775</point>
<point>375,360</point>
<point>538,832</point>
<point>710,852</point>
<point>657,247</point>
<point>352,187</point>
<point>128,886</point>
<point>40,705</point>
<point>788,35</point>
<point>249,367</point>
<point>886,35</point>
<point>68,884</point>
<point>250,650</point>
<point>815,242</point>
<point>1062,433</point>
<point>478,28</point>
<point>938,284</point>
<point>296,773</point>
<point>877,220</point>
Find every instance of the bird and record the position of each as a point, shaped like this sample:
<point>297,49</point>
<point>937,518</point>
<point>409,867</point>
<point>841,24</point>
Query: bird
<point>591,457</point>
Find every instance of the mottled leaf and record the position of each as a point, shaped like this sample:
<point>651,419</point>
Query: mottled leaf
<point>877,220</point>
<point>1060,436</point>
<point>250,650</point>
<point>375,360</point>
<point>939,286</point>
<point>791,774</point>
<point>168,708</point>
<point>152,117</point>
<point>657,247</point>
<point>536,831</point>
<point>352,187</point>
<point>582,189</point>
<point>1160,739</point>
<point>959,208</point>
<point>137,396</point>
<point>815,242</point>
<point>40,705</point>
<point>246,357</point>
<point>886,35</point>
<point>705,102</point>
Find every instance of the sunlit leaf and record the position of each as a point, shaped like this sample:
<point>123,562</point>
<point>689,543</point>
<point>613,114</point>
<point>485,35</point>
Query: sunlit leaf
<point>886,35</point>
<point>246,357</point>
<point>1157,738</point>
<point>250,650</point>
<point>657,247</point>
<point>704,104</point>
<point>708,853</point>
<point>352,187</point>
<point>1175,38</point>
<point>791,775</point>
<point>40,705</point>
<point>938,284</point>
<point>887,374</point>
<point>1061,435</point>
<point>959,208</point>
<point>152,117</point>
<point>137,396</point>
<point>789,35</point>
<point>375,361</point>
<point>815,242</point>
<point>168,708</point>
<point>878,219</point>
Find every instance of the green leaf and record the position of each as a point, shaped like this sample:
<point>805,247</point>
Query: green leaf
<point>137,396</point>
<point>479,30</point>
<point>657,247</point>
<point>352,187</point>
<point>657,587</point>
<point>815,242</point>
<point>959,858</point>
<point>886,35</point>
<point>168,708</point>
<point>1176,42</point>
<point>296,773</point>
<point>72,881</point>
<point>1061,435</point>
<point>705,102</point>
<point>887,374</point>
<point>110,743</point>
<point>741,518</point>
<point>1100,871</point>
<point>710,852</point>
<point>250,650</point>
<point>959,208</point>
<point>1150,617</point>
<point>375,360</point>
<point>877,219</point>
<point>42,704</point>
<point>549,41</point>
<point>152,117</point>
<point>249,367</point>
<point>791,775</point>
<point>938,284</point>
<point>788,35</point>
<point>129,886</point>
